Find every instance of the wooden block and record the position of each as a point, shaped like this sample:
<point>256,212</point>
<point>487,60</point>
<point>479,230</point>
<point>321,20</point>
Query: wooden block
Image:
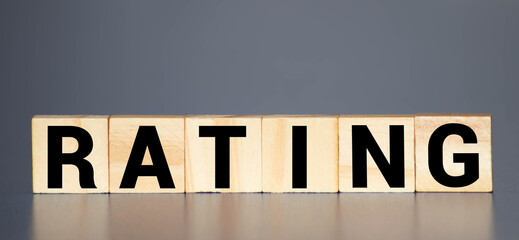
<point>238,156</point>
<point>167,158</point>
<point>395,153</point>
<point>457,168</point>
<point>300,153</point>
<point>63,146</point>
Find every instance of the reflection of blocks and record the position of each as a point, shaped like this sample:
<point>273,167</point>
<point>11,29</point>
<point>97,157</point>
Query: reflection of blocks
<point>170,151</point>
<point>304,146</point>
<point>74,216</point>
<point>241,172</point>
<point>454,216</point>
<point>446,148</point>
<point>85,136</point>
<point>300,216</point>
<point>142,216</point>
<point>223,216</point>
<point>373,216</point>
<point>395,133</point>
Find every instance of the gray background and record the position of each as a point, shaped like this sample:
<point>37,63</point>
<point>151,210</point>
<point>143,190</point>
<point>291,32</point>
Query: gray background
<point>254,57</point>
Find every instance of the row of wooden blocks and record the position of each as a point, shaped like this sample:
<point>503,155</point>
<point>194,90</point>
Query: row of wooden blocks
<point>270,153</point>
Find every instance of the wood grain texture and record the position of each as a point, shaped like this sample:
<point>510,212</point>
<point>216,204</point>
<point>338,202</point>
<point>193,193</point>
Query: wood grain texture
<point>426,124</point>
<point>322,153</point>
<point>378,125</point>
<point>96,126</point>
<point>123,130</point>
<point>245,154</point>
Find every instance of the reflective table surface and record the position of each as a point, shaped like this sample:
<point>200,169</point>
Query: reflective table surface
<point>260,216</point>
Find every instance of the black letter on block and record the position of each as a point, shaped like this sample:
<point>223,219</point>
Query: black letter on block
<point>147,137</point>
<point>393,171</point>
<point>56,157</point>
<point>299,157</point>
<point>222,135</point>
<point>471,160</point>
